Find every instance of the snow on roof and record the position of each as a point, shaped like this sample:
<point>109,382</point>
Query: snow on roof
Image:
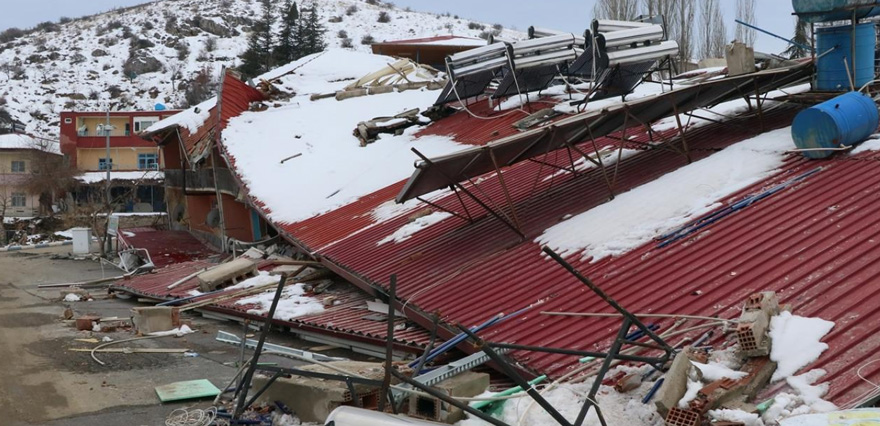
<point>20,141</point>
<point>190,119</point>
<point>145,175</point>
<point>625,223</point>
<point>333,169</point>
<point>448,40</point>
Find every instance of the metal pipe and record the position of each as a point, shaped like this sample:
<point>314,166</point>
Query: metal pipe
<point>634,35</point>
<point>575,352</point>
<point>802,46</point>
<point>389,347</point>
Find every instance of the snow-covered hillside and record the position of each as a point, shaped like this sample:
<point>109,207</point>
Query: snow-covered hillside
<point>82,64</point>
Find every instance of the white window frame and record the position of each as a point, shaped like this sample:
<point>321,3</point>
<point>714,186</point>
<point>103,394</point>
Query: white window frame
<point>18,199</point>
<point>142,123</point>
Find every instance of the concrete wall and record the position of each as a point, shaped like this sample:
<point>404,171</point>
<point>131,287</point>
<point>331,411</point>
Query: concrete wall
<point>11,183</point>
<point>123,158</point>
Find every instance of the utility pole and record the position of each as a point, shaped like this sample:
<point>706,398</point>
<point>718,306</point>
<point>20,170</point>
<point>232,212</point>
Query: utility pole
<point>108,164</point>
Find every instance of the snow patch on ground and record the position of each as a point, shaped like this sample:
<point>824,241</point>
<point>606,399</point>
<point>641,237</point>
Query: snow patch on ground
<point>796,342</point>
<point>672,200</point>
<point>146,175</point>
<point>72,297</point>
<point>293,303</point>
<point>812,394</point>
<point>408,230</point>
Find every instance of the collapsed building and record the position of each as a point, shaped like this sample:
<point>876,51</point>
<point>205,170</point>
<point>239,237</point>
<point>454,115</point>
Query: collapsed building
<point>534,195</point>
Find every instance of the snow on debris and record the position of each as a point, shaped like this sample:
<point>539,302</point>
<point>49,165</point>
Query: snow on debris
<point>796,342</point>
<point>810,394</point>
<point>740,416</point>
<point>95,177</point>
<point>714,371</point>
<point>617,408</point>
<point>263,278</point>
<point>293,303</point>
<point>670,201</point>
<point>868,145</point>
<point>333,170</point>
<point>418,224</point>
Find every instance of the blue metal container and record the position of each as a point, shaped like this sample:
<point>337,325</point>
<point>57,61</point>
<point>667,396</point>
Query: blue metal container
<point>831,71</point>
<point>843,121</point>
<point>832,10</point>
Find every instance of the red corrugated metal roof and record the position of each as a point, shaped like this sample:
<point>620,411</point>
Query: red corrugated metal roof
<point>168,247</point>
<point>345,319</point>
<point>814,243</point>
<point>429,40</point>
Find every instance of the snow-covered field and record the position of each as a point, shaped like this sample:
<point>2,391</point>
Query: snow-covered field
<point>80,66</point>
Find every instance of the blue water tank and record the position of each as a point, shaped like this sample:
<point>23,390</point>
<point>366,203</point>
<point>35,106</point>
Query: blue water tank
<point>843,121</point>
<point>160,107</point>
<point>832,67</point>
<point>834,10</point>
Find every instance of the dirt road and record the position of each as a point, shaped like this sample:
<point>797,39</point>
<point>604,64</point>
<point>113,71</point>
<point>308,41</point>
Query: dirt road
<point>41,380</point>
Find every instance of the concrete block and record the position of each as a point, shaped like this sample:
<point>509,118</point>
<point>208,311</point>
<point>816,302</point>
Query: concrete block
<point>754,324</point>
<point>155,318</point>
<point>467,384</point>
<point>313,399</point>
<point>675,384</point>
<point>740,59</point>
<point>213,278</point>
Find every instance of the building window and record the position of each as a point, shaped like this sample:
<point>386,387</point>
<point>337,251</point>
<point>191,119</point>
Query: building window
<point>148,161</point>
<point>103,163</point>
<point>18,167</point>
<point>142,123</point>
<point>19,199</point>
<point>68,120</point>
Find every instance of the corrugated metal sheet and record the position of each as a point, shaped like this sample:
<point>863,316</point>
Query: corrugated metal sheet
<point>345,319</point>
<point>168,247</point>
<point>814,243</point>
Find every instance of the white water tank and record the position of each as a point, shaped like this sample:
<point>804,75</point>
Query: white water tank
<point>351,416</point>
<point>82,238</point>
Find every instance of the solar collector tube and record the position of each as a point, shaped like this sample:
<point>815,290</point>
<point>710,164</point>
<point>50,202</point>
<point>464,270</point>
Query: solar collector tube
<point>480,66</point>
<point>635,35</point>
<point>610,25</point>
<point>666,48</point>
<point>556,42</point>
<point>545,59</point>
<point>478,54</point>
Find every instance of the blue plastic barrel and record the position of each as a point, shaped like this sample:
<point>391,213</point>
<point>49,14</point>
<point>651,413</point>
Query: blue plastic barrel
<point>843,121</point>
<point>831,71</point>
<point>834,10</point>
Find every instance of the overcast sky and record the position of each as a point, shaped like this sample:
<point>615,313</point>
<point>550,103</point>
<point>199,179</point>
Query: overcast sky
<point>569,15</point>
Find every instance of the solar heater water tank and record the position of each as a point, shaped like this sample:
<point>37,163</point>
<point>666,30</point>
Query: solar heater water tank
<point>834,10</point>
<point>842,121</point>
<point>836,56</point>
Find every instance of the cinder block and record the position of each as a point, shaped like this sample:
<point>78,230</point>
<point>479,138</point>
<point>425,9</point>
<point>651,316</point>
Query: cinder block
<point>675,384</point>
<point>467,384</point>
<point>213,278</point>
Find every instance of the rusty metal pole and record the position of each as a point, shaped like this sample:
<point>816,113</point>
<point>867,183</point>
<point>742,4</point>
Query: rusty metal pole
<point>389,345</point>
